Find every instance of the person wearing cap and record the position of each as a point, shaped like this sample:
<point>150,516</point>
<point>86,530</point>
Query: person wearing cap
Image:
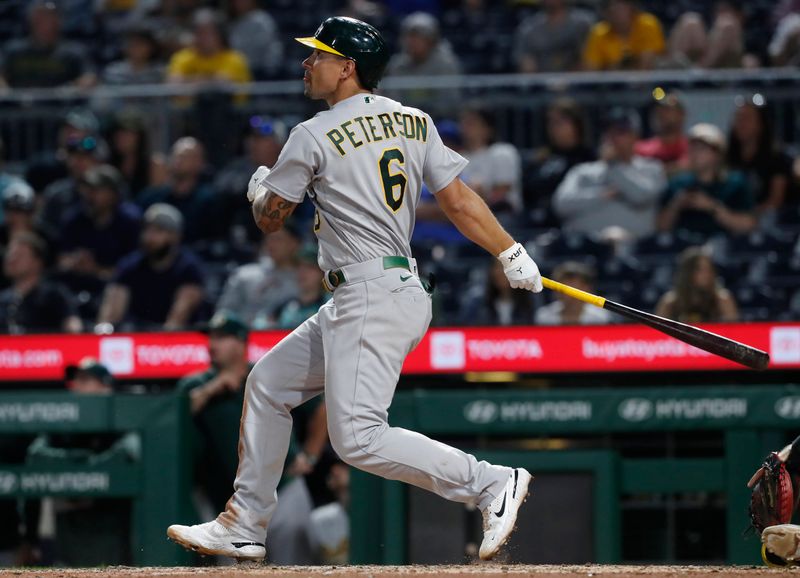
<point>102,230</point>
<point>88,532</point>
<point>263,139</point>
<point>668,143</point>
<point>188,191</point>
<point>310,296</point>
<point>565,310</point>
<point>63,195</point>
<point>32,304</point>
<point>46,167</point>
<point>19,215</point>
<point>617,194</point>
<point>140,64</point>
<point>424,53</point>
<point>708,199</point>
<point>255,290</point>
<point>44,59</point>
<point>627,39</point>
<point>216,398</point>
<point>159,286</point>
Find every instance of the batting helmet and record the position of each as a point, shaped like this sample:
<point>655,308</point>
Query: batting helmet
<point>356,40</point>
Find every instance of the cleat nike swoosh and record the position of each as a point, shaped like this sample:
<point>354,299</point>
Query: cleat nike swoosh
<point>405,278</point>
<point>502,509</point>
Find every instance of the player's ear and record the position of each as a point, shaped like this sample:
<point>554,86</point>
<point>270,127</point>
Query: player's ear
<point>349,69</point>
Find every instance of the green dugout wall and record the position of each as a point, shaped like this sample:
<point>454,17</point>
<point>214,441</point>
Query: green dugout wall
<point>159,485</point>
<point>751,420</point>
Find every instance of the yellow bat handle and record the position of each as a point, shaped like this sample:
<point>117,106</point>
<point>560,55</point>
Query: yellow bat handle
<point>575,293</point>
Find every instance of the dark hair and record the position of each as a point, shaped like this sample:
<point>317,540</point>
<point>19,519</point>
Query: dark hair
<point>217,20</point>
<point>570,108</point>
<point>486,115</point>
<point>521,300</point>
<point>134,122</point>
<point>694,303</point>
<point>766,141</point>
<point>574,269</point>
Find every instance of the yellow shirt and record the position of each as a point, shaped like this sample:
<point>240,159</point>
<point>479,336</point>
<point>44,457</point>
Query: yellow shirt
<point>605,49</point>
<point>228,65</point>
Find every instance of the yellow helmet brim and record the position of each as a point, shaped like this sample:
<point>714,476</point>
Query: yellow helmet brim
<point>312,42</point>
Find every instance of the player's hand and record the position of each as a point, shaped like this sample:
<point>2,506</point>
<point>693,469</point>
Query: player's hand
<point>521,271</point>
<point>254,187</point>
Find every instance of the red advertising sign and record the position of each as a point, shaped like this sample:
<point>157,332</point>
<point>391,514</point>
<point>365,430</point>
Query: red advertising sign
<point>452,350</point>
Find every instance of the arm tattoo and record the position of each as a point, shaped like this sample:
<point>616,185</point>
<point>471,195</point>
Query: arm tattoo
<point>270,211</point>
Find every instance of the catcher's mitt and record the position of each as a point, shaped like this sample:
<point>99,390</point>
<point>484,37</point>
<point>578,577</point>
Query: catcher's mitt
<point>772,500</point>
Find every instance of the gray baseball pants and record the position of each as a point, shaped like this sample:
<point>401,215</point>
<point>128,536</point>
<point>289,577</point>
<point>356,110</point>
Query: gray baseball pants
<point>353,350</point>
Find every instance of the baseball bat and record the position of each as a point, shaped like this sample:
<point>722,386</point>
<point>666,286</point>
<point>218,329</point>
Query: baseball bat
<point>700,338</point>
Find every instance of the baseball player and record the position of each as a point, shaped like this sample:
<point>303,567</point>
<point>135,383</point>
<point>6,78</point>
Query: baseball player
<point>362,163</point>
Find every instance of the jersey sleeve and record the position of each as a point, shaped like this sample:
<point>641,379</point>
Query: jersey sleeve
<point>442,164</point>
<point>296,167</point>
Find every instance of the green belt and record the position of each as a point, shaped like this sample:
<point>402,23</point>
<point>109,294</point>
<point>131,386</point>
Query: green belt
<point>336,278</point>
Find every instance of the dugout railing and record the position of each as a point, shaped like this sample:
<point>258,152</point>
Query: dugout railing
<point>751,420</point>
<point>158,484</point>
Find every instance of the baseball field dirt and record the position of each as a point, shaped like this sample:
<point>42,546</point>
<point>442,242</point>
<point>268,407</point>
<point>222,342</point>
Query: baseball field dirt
<point>472,571</point>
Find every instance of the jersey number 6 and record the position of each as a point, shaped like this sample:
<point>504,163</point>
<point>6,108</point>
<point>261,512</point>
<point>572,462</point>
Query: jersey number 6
<point>391,180</point>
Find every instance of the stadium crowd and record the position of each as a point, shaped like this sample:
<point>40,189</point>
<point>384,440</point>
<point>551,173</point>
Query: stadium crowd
<point>105,233</point>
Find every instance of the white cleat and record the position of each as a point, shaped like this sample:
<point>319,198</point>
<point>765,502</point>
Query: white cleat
<point>214,539</point>
<point>782,540</point>
<point>500,517</point>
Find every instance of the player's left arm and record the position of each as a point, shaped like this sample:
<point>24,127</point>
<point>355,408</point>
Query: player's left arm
<point>270,210</point>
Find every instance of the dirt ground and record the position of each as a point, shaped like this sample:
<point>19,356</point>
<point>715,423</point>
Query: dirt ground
<point>472,571</point>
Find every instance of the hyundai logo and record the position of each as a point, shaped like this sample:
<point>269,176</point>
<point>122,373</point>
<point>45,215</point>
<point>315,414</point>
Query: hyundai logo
<point>481,411</point>
<point>636,409</point>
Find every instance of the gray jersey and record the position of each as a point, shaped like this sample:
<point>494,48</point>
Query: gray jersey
<point>363,163</point>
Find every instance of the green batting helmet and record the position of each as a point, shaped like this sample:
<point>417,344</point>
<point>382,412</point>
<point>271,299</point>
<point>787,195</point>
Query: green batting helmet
<point>356,40</point>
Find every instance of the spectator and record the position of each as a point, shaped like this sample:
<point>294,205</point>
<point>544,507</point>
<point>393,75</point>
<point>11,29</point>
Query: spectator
<point>697,295</point>
<point>62,196</point>
<point>101,231</point>
<point>32,304</point>
<point>208,59</point>
<point>424,53</point>
<point>619,192</point>
<point>784,48</point>
<point>551,40</point>
<point>254,291</point>
<point>161,284</point>
<point>140,64</point>
<point>44,59</point>
<point>494,170</point>
<point>708,199</point>
<point>329,531</point>
<point>310,293</point>
<point>216,399</point>
<point>566,147</point>
<point>131,153</point>
<point>187,190</point>
<point>50,166</point>
<point>721,46</point>
<point>19,206</point>
<point>263,141</point>
<point>752,149</point>
<point>6,179</point>
<point>669,143</point>
<point>627,39</point>
<point>254,33</point>
<point>89,532</point>
<point>494,302</point>
<point>566,310</point>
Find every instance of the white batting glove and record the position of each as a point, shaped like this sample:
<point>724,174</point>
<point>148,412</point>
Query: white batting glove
<point>254,187</point>
<point>520,269</point>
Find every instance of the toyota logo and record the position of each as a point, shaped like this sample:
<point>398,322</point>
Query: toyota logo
<point>788,407</point>
<point>636,409</point>
<point>481,411</point>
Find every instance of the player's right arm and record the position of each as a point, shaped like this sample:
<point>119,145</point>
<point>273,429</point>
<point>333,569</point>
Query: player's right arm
<point>470,214</point>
